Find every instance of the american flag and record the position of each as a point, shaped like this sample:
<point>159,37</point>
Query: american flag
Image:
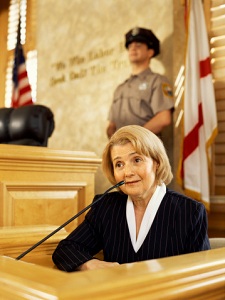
<point>21,94</point>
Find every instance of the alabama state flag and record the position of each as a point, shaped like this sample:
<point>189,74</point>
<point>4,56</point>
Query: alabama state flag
<point>200,118</point>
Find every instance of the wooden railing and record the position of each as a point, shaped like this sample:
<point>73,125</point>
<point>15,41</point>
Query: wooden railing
<point>192,276</point>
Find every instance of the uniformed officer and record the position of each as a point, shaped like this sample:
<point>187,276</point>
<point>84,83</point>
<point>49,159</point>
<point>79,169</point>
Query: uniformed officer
<point>145,98</point>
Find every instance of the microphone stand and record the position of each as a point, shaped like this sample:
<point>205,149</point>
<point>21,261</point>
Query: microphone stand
<point>67,222</point>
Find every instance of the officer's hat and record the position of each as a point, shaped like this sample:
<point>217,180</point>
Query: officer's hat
<point>143,35</point>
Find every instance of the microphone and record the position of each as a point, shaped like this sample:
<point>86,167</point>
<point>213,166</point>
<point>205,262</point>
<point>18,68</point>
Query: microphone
<point>70,220</point>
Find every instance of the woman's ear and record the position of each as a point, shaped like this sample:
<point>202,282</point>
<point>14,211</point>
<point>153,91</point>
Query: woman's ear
<point>156,166</point>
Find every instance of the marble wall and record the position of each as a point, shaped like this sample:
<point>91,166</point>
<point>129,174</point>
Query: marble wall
<point>81,59</point>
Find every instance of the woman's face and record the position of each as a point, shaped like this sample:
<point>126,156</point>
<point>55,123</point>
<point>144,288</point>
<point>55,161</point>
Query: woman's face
<point>138,172</point>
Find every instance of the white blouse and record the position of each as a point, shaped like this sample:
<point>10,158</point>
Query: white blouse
<point>148,218</point>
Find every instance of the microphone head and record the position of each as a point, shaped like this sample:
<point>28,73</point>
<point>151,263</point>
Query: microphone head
<point>120,183</point>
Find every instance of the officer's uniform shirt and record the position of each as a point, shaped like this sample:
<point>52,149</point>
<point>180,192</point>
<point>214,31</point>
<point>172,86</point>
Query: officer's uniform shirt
<point>139,98</point>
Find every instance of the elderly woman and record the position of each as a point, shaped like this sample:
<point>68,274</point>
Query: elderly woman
<point>144,219</point>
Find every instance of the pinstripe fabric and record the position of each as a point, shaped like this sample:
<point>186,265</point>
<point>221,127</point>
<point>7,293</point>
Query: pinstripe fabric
<point>179,227</point>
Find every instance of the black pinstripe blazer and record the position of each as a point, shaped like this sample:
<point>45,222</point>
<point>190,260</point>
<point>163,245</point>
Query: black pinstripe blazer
<point>179,227</point>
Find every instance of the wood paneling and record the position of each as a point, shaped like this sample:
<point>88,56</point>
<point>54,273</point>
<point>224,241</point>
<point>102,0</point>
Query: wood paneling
<point>44,186</point>
<point>216,217</point>
<point>41,203</point>
<point>17,240</point>
<point>217,44</point>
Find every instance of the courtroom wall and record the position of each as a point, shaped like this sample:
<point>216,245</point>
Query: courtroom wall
<point>81,59</point>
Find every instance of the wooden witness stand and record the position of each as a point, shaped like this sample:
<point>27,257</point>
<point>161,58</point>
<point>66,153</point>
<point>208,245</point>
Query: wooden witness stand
<point>198,275</point>
<point>40,186</point>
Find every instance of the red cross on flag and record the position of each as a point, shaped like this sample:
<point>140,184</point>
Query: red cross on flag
<point>200,117</point>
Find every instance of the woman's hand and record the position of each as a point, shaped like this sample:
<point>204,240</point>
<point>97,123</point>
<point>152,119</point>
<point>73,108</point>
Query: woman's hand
<point>94,264</point>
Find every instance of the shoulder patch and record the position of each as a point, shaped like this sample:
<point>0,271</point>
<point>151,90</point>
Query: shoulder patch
<point>167,90</point>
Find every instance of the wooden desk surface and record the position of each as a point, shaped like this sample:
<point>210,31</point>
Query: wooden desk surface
<point>193,276</point>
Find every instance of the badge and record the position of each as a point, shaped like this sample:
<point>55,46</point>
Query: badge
<point>167,90</point>
<point>143,86</point>
<point>135,31</point>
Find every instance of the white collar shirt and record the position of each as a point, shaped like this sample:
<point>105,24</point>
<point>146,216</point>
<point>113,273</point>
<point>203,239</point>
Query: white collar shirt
<point>148,217</point>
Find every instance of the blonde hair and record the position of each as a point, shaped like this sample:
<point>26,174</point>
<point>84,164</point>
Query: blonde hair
<point>145,143</point>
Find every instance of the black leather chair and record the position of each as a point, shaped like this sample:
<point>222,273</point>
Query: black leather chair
<point>30,125</point>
